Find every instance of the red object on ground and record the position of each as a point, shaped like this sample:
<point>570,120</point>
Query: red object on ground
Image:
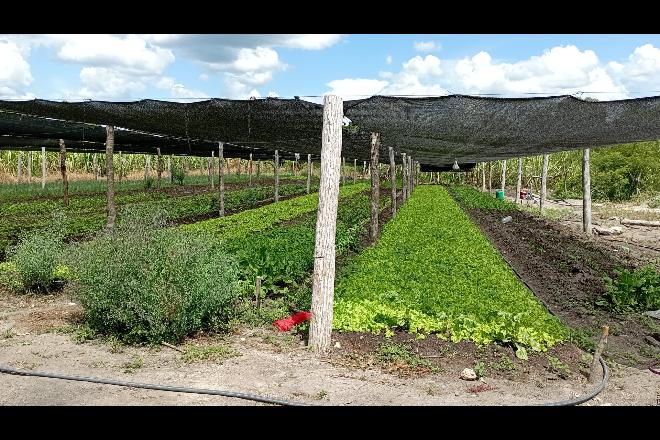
<point>287,324</point>
<point>523,194</point>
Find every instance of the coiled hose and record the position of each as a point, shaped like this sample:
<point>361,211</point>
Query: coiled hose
<point>246,396</point>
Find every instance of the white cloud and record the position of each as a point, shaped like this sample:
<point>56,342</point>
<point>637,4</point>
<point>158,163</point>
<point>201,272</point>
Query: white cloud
<point>131,54</point>
<point>426,46</point>
<point>178,90</point>
<point>312,41</point>
<point>641,72</point>
<point>15,72</point>
<point>106,83</point>
<point>388,60</point>
<point>238,89</point>
<point>353,88</point>
<point>273,94</point>
<point>203,77</point>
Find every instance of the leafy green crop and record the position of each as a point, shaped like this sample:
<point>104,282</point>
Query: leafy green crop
<point>473,198</point>
<point>633,290</point>
<point>434,272</point>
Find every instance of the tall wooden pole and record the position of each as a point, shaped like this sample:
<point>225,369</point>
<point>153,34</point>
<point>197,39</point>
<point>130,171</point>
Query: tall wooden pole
<point>250,171</point>
<point>343,171</point>
<point>483,176</point>
<point>29,167</point>
<point>519,181</point>
<point>65,181</point>
<point>404,176</point>
<point>309,172</point>
<point>159,166</point>
<point>490,176</point>
<point>364,169</point>
<point>277,175</point>
<point>110,174</point>
<point>323,288</point>
<point>504,176</point>
<point>375,186</point>
<point>43,167</point>
<point>19,171</point>
<point>354,171</point>
<point>121,166</point>
<point>211,166</point>
<point>544,182</point>
<point>221,181</point>
<point>95,165</point>
<point>393,180</point>
<point>586,193</point>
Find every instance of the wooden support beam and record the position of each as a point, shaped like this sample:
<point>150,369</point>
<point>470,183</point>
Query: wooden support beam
<point>19,171</point>
<point>364,169</point>
<point>147,166</point>
<point>29,167</point>
<point>393,180</point>
<point>309,172</point>
<point>504,176</point>
<point>343,171</point>
<point>375,186</point>
<point>121,166</point>
<point>159,166</point>
<point>65,181</point>
<point>354,171</point>
<point>519,181</point>
<point>250,171</point>
<point>544,182</point>
<point>323,288</point>
<point>221,180</point>
<point>483,176</point>
<point>490,176</point>
<point>586,193</point>
<point>95,165</point>
<point>277,175</point>
<point>404,176</point>
<point>211,167</point>
<point>110,174</point>
<point>44,167</point>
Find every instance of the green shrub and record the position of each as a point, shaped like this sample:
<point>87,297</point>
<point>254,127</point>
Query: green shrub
<point>38,253</point>
<point>473,198</point>
<point>178,175</point>
<point>143,284</point>
<point>633,290</point>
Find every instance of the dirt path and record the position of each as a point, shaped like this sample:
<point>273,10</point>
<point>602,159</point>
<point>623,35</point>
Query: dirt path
<point>268,363</point>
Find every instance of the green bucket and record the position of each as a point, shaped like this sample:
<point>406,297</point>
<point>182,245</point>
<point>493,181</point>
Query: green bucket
<point>499,194</point>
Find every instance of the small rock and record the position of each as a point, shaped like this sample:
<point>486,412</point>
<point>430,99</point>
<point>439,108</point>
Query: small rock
<point>653,314</point>
<point>507,219</point>
<point>71,304</point>
<point>468,374</point>
<point>242,339</point>
<point>337,344</point>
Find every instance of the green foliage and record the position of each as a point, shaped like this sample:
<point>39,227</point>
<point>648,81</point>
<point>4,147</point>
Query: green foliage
<point>133,365</point>
<point>37,255</point>
<point>471,197</point>
<point>9,277</point>
<point>505,364</point>
<point>148,285</point>
<point>388,353</point>
<point>196,353</point>
<point>480,369</point>
<point>434,272</point>
<point>558,367</point>
<point>149,183</point>
<point>633,290</point>
<point>178,175</point>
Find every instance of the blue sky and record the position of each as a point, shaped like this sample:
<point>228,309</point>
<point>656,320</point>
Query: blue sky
<point>128,67</point>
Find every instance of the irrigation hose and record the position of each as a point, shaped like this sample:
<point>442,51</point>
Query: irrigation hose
<point>593,393</point>
<point>238,395</point>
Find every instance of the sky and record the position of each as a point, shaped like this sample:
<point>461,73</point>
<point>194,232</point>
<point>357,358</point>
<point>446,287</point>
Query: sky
<point>190,67</point>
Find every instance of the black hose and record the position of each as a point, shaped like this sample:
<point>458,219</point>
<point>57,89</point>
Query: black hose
<point>9,370</point>
<point>590,395</point>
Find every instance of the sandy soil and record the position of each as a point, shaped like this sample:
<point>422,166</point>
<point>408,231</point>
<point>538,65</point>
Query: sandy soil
<point>269,363</point>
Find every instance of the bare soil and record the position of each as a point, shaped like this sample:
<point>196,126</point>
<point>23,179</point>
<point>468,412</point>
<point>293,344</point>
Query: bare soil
<point>277,365</point>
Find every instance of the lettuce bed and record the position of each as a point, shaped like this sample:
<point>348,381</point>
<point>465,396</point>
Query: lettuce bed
<point>434,272</point>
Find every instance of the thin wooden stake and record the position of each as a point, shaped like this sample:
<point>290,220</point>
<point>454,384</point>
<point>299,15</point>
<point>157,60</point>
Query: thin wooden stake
<point>404,176</point>
<point>309,172</point>
<point>19,171</point>
<point>320,329</point>
<point>250,171</point>
<point>159,166</point>
<point>211,166</point>
<point>221,183</point>
<point>544,182</point>
<point>586,193</point>
<point>375,186</point>
<point>483,177</point>
<point>65,181</point>
<point>277,175</point>
<point>504,176</point>
<point>95,165</point>
<point>593,372</point>
<point>354,171</point>
<point>519,182</point>
<point>257,291</point>
<point>29,167</point>
<point>43,167</point>
<point>110,174</point>
<point>393,181</point>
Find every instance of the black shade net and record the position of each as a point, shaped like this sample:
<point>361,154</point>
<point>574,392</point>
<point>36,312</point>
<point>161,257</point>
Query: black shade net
<point>436,131</point>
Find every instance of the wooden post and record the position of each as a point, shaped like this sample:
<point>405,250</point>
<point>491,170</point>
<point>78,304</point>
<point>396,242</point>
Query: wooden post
<point>277,175</point>
<point>121,166</point>
<point>404,177</point>
<point>490,176</point>
<point>544,182</point>
<point>364,169</point>
<point>169,166</point>
<point>309,172</point>
<point>211,166</point>
<point>257,291</point>
<point>483,176</point>
<point>65,182</point>
<point>19,172</point>
<point>323,288</point>
<point>411,184</point>
<point>221,182</point>
<point>343,171</point>
<point>29,167</point>
<point>258,169</point>
<point>354,171</point>
<point>393,180</point>
<point>504,176</point>
<point>95,165</point>
<point>586,193</point>
<point>375,186</point>
<point>519,182</point>
<point>159,166</point>
<point>147,167</point>
<point>43,167</point>
<point>238,167</point>
<point>599,351</point>
<point>110,174</point>
<point>250,171</point>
